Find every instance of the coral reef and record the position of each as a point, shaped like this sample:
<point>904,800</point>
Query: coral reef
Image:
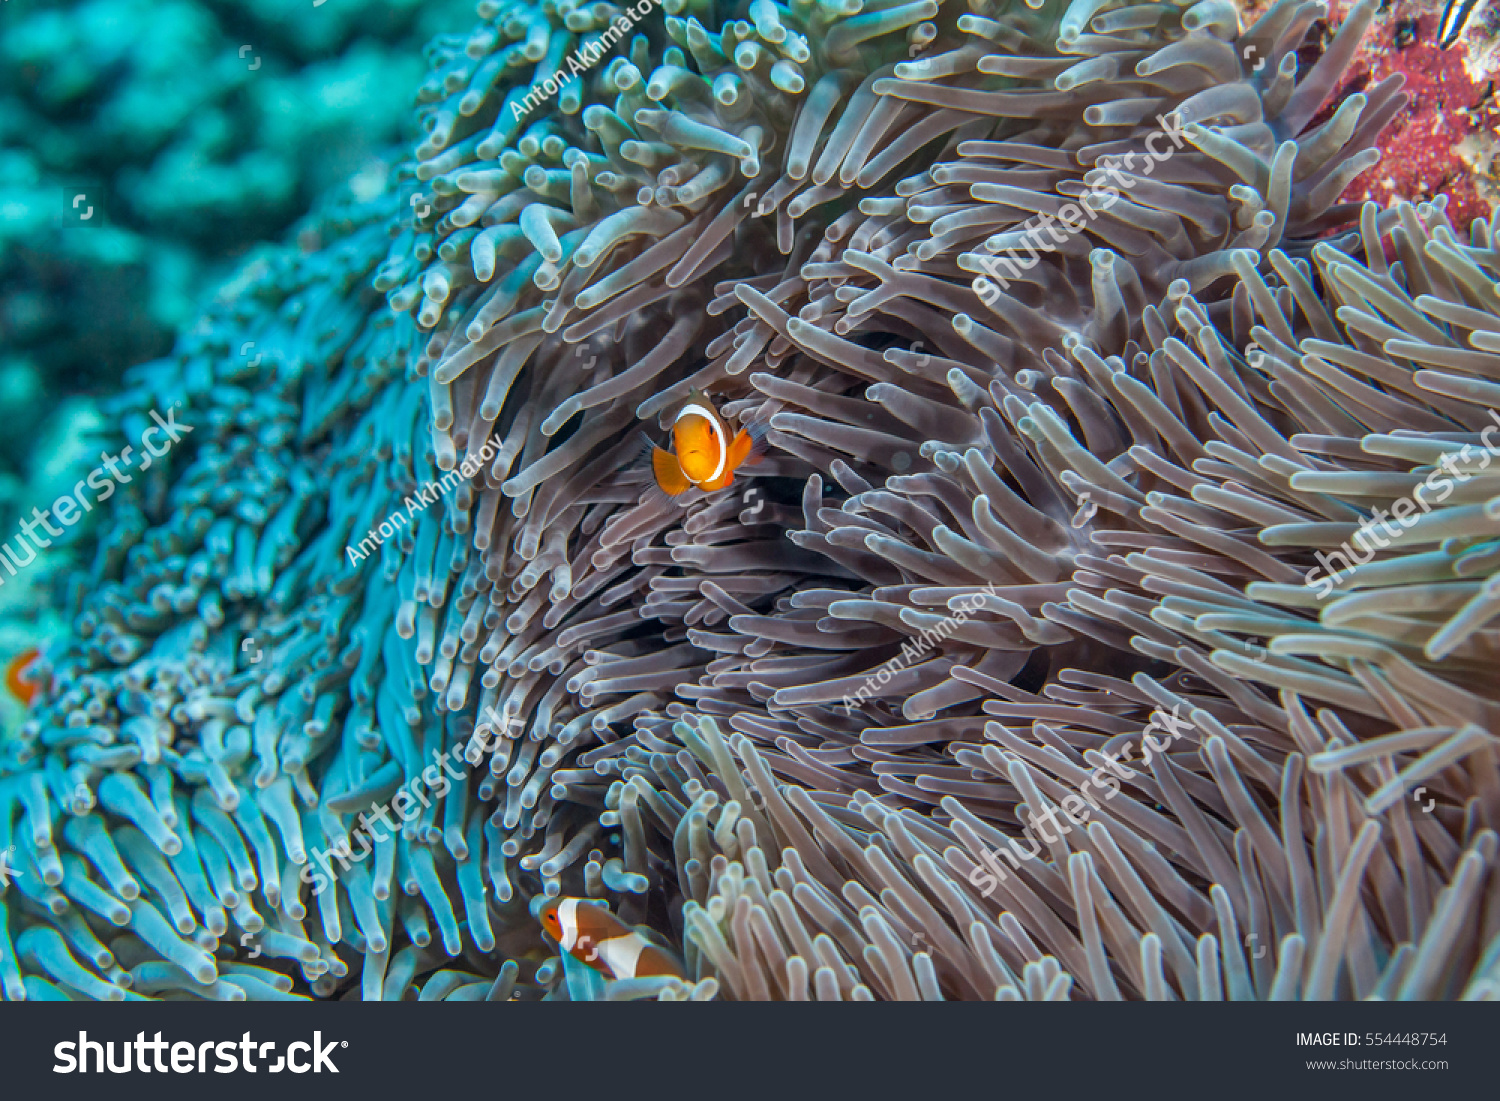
<point>1026,526</point>
<point>1444,142</point>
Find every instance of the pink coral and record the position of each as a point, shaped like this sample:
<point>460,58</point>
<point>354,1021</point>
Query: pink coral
<point>1443,141</point>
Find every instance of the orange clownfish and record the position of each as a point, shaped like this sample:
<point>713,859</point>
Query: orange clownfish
<point>20,675</point>
<point>593,935</point>
<point>706,452</point>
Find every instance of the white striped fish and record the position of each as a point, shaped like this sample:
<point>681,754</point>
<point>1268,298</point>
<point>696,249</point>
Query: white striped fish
<point>1456,15</point>
<point>593,935</point>
<point>706,451</point>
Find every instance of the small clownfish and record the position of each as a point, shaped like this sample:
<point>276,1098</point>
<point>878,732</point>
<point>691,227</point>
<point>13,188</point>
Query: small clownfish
<point>593,935</point>
<point>20,675</point>
<point>705,454</point>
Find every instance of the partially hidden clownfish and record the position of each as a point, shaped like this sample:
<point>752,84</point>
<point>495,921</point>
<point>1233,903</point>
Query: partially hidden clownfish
<point>705,449</point>
<point>594,936</point>
<point>20,675</point>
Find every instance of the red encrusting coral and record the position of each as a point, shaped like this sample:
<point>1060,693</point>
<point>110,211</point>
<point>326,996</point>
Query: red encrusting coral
<point>1444,141</point>
<point>1447,139</point>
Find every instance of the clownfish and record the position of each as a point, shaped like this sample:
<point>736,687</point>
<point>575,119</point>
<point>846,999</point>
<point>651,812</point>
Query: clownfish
<point>593,935</point>
<point>20,674</point>
<point>705,452</point>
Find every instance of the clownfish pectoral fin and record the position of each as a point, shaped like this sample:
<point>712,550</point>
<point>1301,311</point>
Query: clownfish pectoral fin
<point>668,471</point>
<point>758,444</point>
<point>740,449</point>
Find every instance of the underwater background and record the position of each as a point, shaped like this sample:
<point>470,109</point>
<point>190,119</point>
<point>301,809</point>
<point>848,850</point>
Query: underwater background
<point>1123,381</point>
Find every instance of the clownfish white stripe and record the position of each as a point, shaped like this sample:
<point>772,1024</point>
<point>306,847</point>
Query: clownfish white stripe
<point>620,954</point>
<point>567,913</point>
<point>712,417</point>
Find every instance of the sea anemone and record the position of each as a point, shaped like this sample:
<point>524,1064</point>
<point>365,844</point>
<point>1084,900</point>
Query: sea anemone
<point>1070,500</point>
